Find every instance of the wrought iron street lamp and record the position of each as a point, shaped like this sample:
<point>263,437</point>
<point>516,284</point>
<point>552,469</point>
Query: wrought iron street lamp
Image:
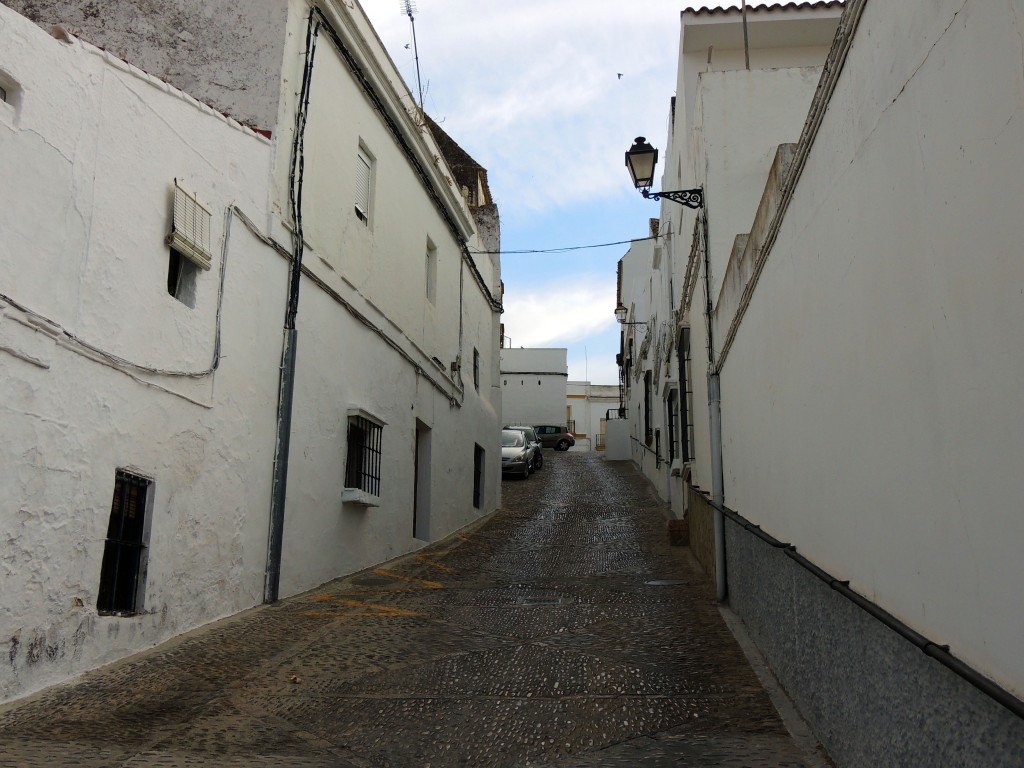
<point>641,159</point>
<point>621,313</point>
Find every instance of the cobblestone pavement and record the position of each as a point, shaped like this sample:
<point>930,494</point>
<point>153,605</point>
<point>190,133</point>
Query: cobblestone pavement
<point>560,631</point>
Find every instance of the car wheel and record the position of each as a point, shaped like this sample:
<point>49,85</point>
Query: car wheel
<point>526,471</point>
<point>563,445</point>
<point>538,463</point>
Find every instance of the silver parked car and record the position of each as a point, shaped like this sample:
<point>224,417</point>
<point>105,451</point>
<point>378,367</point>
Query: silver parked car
<point>537,457</point>
<point>516,454</point>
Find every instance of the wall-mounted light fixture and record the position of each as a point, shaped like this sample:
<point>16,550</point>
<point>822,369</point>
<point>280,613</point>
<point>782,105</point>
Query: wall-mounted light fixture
<point>621,313</point>
<point>641,159</point>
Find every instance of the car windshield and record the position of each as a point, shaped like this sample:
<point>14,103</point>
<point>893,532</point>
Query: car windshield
<point>512,439</point>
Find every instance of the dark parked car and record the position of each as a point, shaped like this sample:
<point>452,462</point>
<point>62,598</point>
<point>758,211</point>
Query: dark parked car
<point>537,458</point>
<point>554,436</point>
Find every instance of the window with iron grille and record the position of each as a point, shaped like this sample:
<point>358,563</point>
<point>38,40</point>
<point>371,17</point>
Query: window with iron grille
<point>685,397</point>
<point>122,574</point>
<point>478,476</point>
<point>670,406</point>
<point>362,464</point>
<point>648,428</point>
<point>476,369</point>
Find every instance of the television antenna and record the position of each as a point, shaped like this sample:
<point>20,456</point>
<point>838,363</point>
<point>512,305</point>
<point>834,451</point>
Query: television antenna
<point>408,8</point>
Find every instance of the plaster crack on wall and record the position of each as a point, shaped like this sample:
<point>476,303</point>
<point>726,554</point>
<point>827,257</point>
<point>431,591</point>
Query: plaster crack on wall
<point>924,61</point>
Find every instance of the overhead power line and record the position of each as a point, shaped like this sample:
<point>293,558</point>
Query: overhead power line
<point>565,248</point>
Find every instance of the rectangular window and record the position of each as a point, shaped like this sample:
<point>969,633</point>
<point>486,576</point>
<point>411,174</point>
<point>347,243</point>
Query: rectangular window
<point>673,428</point>
<point>476,369</point>
<point>122,574</point>
<point>364,177</point>
<point>648,427</point>
<point>362,464</point>
<point>189,245</point>
<point>685,396</point>
<point>431,277</point>
<point>190,227</point>
<point>478,477</point>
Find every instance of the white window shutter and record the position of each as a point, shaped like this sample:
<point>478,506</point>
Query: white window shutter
<point>190,230</point>
<point>363,185</point>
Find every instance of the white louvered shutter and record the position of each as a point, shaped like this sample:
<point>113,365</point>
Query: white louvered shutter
<point>190,231</point>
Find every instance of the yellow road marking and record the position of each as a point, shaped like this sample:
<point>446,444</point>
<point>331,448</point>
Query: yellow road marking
<point>410,579</point>
<point>439,566</point>
<point>375,610</point>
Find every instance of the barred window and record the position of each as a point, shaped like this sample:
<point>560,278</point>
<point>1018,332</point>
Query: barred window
<point>685,397</point>
<point>476,369</point>
<point>648,426</point>
<point>122,574</point>
<point>362,466</point>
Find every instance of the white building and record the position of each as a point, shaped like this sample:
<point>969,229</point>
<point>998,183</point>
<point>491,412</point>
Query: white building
<point>589,407</point>
<point>859,243</point>
<point>533,385</point>
<point>144,381</point>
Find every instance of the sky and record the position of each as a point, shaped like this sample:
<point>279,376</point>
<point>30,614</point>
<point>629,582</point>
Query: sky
<point>547,95</point>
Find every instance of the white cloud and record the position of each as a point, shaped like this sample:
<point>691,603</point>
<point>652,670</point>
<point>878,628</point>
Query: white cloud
<point>531,88</point>
<point>560,316</point>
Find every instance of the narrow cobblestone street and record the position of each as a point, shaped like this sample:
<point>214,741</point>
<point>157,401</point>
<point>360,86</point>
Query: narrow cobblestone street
<point>563,630</point>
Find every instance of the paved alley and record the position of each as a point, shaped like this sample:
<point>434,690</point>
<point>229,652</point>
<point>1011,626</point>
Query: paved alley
<point>562,631</point>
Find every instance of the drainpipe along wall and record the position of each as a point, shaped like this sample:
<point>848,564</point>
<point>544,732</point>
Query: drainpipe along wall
<point>714,424</point>
<point>287,382</point>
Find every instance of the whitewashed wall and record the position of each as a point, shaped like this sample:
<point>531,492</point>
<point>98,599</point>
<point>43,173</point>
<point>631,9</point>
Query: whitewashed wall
<point>371,339</point>
<point>885,434</point>
<point>589,404</point>
<point>90,149</point>
<point>533,385</point>
<point>727,124</point>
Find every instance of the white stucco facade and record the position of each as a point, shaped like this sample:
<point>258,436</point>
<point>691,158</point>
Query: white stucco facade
<point>533,385</point>
<point>862,261</point>
<point>728,123</point>
<point>588,407</point>
<point>106,370</point>
<point>891,385</point>
<point>85,315</point>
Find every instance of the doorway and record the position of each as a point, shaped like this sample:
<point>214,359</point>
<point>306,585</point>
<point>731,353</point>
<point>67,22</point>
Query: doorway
<point>421,493</point>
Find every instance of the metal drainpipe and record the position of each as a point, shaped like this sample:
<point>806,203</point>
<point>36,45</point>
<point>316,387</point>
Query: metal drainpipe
<point>717,481</point>
<point>275,537</point>
<point>715,425</point>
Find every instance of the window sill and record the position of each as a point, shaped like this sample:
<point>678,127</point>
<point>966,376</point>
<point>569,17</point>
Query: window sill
<point>359,497</point>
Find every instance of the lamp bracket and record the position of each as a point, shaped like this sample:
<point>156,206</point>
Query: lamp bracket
<point>691,198</point>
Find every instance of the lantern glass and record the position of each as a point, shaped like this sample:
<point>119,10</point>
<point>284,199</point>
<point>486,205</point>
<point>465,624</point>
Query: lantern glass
<point>641,160</point>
